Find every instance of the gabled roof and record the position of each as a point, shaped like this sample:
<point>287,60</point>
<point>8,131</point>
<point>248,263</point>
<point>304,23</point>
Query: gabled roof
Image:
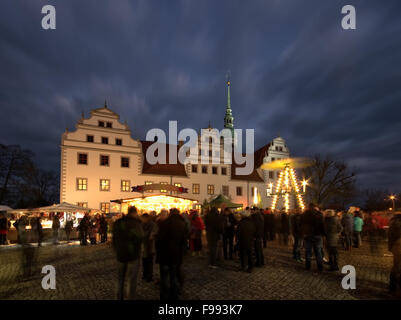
<point>167,169</point>
<point>258,161</point>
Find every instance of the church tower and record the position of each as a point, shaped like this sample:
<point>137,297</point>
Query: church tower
<point>228,118</point>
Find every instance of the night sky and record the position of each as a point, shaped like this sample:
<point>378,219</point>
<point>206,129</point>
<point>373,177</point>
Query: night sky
<point>294,72</point>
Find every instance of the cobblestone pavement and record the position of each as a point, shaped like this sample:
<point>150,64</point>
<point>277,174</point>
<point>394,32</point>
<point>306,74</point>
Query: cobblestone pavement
<point>91,273</point>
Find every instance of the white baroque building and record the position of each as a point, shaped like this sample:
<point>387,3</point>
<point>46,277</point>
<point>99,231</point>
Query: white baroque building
<point>100,162</point>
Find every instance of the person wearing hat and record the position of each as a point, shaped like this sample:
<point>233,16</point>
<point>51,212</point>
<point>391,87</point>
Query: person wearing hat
<point>394,245</point>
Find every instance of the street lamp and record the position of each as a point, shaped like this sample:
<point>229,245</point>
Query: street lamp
<point>392,198</point>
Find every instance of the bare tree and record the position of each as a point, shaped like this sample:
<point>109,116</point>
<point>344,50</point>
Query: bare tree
<point>329,181</point>
<point>13,163</point>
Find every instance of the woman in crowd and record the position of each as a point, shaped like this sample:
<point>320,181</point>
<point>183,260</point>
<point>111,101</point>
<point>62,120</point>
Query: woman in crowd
<point>197,226</point>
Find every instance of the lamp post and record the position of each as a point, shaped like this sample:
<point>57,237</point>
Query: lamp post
<point>392,198</point>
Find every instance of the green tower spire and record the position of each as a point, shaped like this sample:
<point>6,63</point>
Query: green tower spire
<point>228,118</point>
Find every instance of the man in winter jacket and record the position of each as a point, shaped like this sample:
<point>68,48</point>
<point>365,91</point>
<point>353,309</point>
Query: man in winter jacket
<point>313,230</point>
<point>127,243</point>
<point>332,230</point>
<point>214,229</point>
<point>258,221</point>
<point>246,234</point>
<point>394,245</point>
<point>170,247</point>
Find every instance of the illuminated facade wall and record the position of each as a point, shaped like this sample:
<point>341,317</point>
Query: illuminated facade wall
<point>81,158</point>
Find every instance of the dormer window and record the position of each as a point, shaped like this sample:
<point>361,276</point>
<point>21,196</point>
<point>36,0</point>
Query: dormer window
<point>105,140</point>
<point>109,124</point>
<point>101,123</point>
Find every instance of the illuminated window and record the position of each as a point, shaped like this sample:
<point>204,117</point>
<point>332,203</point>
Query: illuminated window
<point>210,189</point>
<point>82,158</point>
<point>239,191</point>
<point>178,184</point>
<point>195,188</point>
<point>147,183</point>
<point>225,191</point>
<point>104,160</point>
<point>105,207</point>
<point>124,162</point>
<point>82,184</point>
<point>224,171</point>
<point>82,204</point>
<point>125,185</point>
<point>163,190</point>
<point>104,185</point>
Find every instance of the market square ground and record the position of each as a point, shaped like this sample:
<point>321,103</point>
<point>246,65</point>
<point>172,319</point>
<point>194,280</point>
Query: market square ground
<point>90,272</point>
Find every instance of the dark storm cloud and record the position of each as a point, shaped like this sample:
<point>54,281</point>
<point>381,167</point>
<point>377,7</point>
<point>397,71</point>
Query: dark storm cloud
<point>295,73</point>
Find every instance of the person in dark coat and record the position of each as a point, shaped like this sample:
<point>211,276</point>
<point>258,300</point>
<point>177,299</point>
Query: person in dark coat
<point>272,225</point>
<point>266,226</point>
<point>258,221</point>
<point>312,228</point>
<point>228,234</point>
<point>214,229</point>
<point>103,228</point>
<point>69,224</point>
<point>297,234</point>
<point>246,234</point>
<point>127,243</point>
<point>170,246</point>
<point>83,229</point>
<point>149,250</point>
<point>55,228</point>
<point>332,230</point>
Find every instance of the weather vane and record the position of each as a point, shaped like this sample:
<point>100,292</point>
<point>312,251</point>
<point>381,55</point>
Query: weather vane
<point>228,76</point>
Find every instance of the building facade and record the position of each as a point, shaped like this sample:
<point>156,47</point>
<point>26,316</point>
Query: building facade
<point>100,162</point>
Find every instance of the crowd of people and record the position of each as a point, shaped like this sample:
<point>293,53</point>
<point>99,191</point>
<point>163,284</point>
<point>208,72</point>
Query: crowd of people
<point>165,238</point>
